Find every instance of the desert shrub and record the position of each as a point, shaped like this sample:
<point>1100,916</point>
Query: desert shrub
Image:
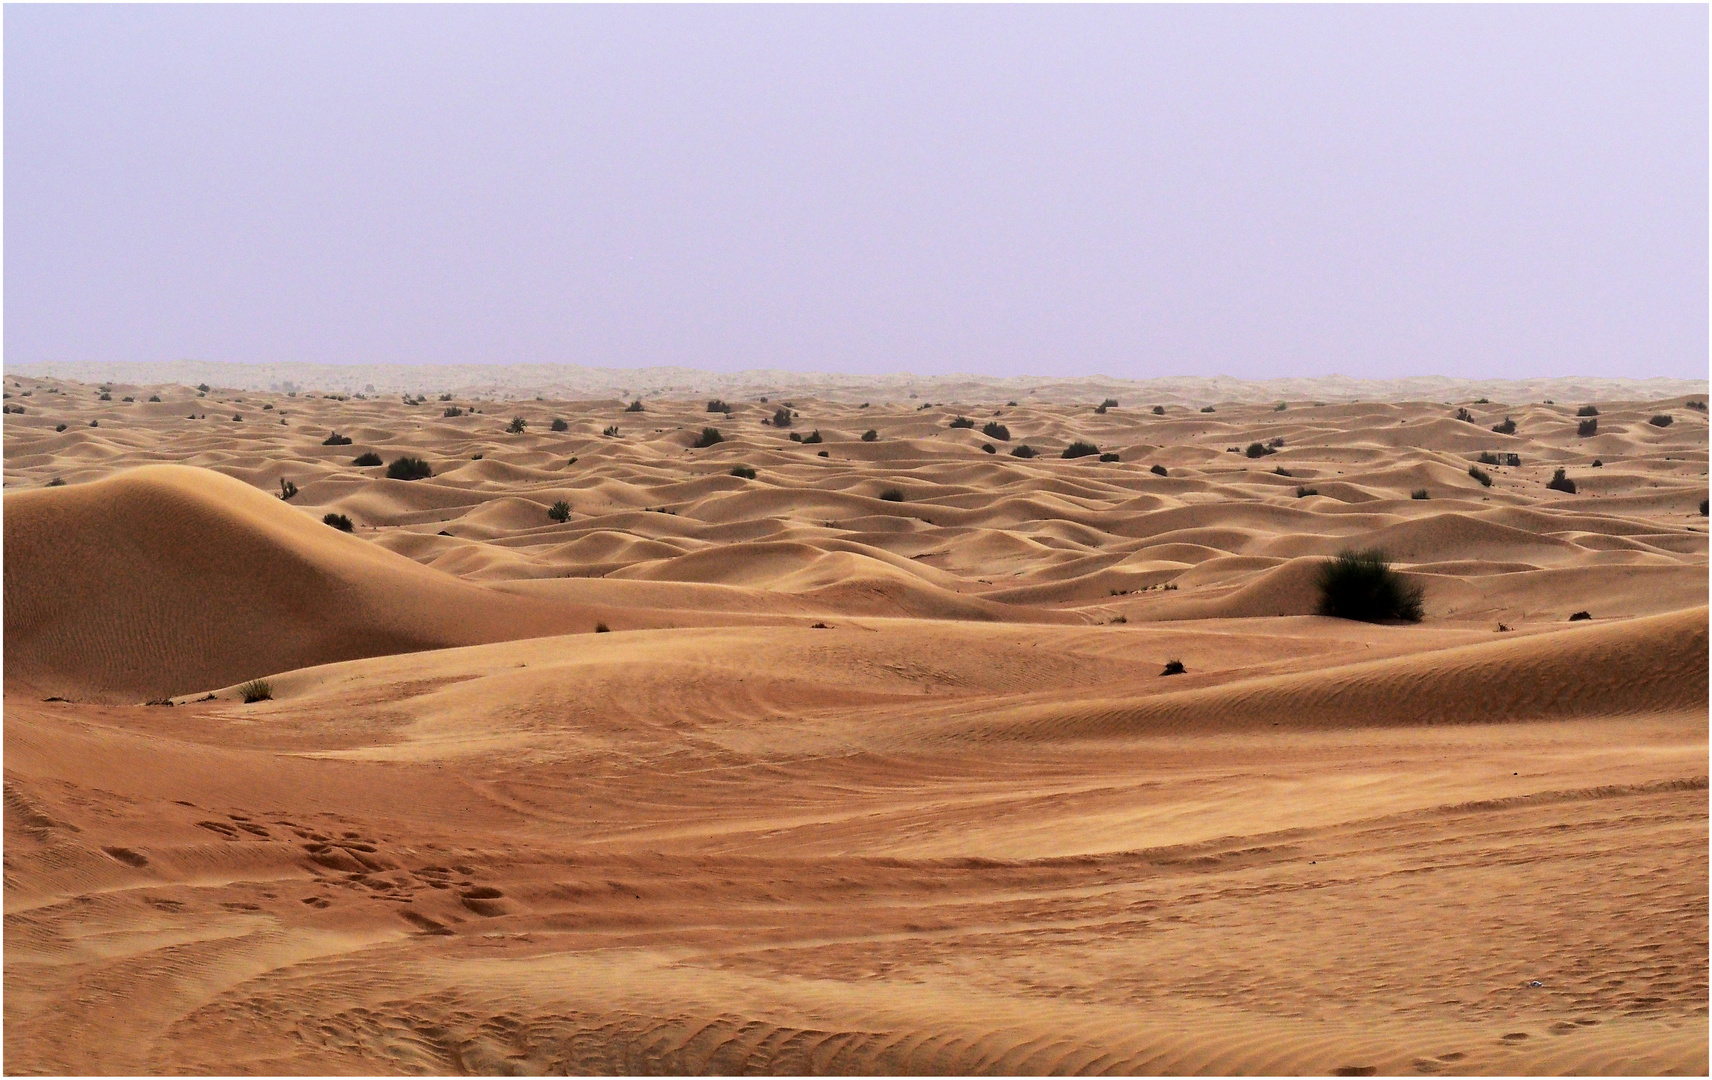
<point>1419,494</point>
<point>716,405</point>
<point>237,419</point>
<point>1101,409</point>
<point>744,471</point>
<point>823,453</point>
<point>781,418</point>
<point>1464,415</point>
<point>287,489</point>
<point>813,436</point>
<point>1361,585</point>
<point>255,690</point>
<point>1508,427</point>
<point>1697,406</point>
<point>602,628</point>
<point>962,422</point>
<point>1173,667</point>
<point>1110,457</point>
<point>94,423</point>
<point>1282,471</point>
<point>708,437</point>
<point>1275,442</point>
<point>336,439</point>
<point>202,387</point>
<point>1597,464</point>
<point>106,397</point>
<point>1560,482</point>
<point>154,398</point>
<point>366,459</point>
<point>1159,470</point>
<point>1304,491</point>
<point>1581,616</point>
<point>1159,410</point>
<point>452,410</point>
<point>1661,420</point>
<point>1010,404</point>
<point>409,468</point>
<point>1587,428</point>
<point>1488,458</point>
<point>891,495</point>
<point>446,397</point>
<point>1481,475</point>
<point>634,406</point>
<point>1587,410</point>
<point>1080,449</point>
<point>559,511</point>
<point>517,425</point>
<point>265,408</point>
<point>1256,450</point>
<point>796,436</point>
<point>989,448</point>
<point>996,430</point>
<point>1280,407</point>
<point>1024,451</point>
<point>57,482</point>
<point>1482,401</point>
<point>59,427</point>
<point>870,435</point>
<point>1702,501</point>
<point>1109,403</point>
<point>610,431</point>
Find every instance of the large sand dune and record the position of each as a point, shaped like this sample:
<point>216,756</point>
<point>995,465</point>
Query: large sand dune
<point>877,771</point>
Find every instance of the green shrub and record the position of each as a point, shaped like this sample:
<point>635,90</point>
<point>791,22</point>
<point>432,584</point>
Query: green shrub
<point>1159,410</point>
<point>1159,470</point>
<point>1361,585</point>
<point>1024,451</point>
<point>743,471</point>
<point>202,387</point>
<point>812,437</point>
<point>452,410</point>
<point>1110,458</point>
<point>962,422</point>
<point>1561,482</point>
<point>989,448</point>
<point>1587,428</point>
<point>558,425</point>
<point>996,430</point>
<point>634,406</point>
<point>517,425</point>
<point>154,398</point>
<point>1174,667</point>
<point>870,435</point>
<point>709,436</point>
<point>719,406</point>
<point>1280,470</point>
<point>336,439</point>
<point>1661,420</point>
<point>1508,427</point>
<point>61,427</point>
<point>1109,403</point>
<point>1256,450</point>
<point>1465,416</point>
<point>1304,492</point>
<point>781,417</point>
<point>256,690</point>
<point>366,459</point>
<point>1587,410</point>
<point>409,468</point>
<point>560,511</point>
<point>1481,475</point>
<point>1080,449</point>
<point>1280,407</point>
<point>1488,458</point>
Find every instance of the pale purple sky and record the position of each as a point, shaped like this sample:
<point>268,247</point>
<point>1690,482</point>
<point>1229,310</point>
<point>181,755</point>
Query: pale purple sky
<point>1130,191</point>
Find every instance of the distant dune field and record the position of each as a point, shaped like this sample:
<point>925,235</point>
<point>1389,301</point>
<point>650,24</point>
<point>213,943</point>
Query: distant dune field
<point>876,770</point>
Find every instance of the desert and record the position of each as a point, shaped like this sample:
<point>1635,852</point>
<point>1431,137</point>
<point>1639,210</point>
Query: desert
<point>839,740</point>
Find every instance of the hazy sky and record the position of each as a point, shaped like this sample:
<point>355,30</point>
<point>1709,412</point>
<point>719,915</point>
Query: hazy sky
<point>1132,191</point>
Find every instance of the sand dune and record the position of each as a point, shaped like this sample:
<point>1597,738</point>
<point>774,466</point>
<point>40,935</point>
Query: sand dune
<point>877,771</point>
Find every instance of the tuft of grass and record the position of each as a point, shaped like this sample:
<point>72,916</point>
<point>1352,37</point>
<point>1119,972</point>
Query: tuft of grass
<point>709,436</point>
<point>1587,428</point>
<point>996,430</point>
<point>517,425</point>
<point>256,690</point>
<point>366,459</point>
<point>1661,420</point>
<point>1361,585</point>
<point>1481,475</point>
<point>338,521</point>
<point>1024,451</point>
<point>962,422</point>
<point>287,489</point>
<point>1159,470</point>
<point>560,511</point>
<point>1419,494</point>
<point>409,468</point>
<point>1561,482</point>
<point>558,425</point>
<point>1080,449</point>
<point>1173,667</point>
<point>870,435</point>
<point>891,495</point>
<point>743,471</point>
<point>1587,410</point>
<point>336,439</point>
<point>1508,427</point>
